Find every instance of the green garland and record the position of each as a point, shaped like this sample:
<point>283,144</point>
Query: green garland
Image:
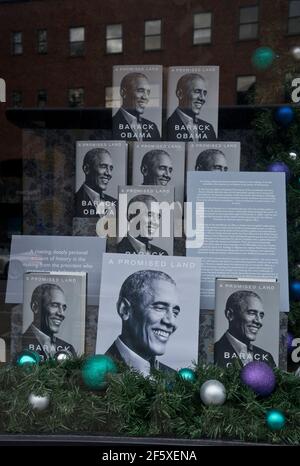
<point>274,142</point>
<point>135,406</point>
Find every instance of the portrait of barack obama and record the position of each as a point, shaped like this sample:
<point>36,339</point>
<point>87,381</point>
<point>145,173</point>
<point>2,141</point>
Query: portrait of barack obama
<point>128,123</point>
<point>148,306</point>
<point>245,314</point>
<point>49,307</point>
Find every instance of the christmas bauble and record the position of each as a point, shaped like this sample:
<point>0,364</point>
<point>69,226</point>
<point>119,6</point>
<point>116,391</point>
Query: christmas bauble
<point>284,115</point>
<point>63,355</point>
<point>213,392</point>
<point>263,58</point>
<point>295,52</point>
<point>295,290</point>
<point>293,155</point>
<point>95,371</point>
<point>187,374</point>
<point>275,419</point>
<point>260,377</point>
<point>27,358</point>
<point>38,402</point>
<point>279,167</point>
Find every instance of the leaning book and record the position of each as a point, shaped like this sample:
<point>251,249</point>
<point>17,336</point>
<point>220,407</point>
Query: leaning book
<point>246,322</point>
<point>149,311</point>
<point>54,308</point>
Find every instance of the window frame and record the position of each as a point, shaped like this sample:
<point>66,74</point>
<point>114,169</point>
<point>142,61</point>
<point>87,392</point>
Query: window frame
<point>288,21</point>
<point>243,7</point>
<point>153,35</point>
<point>197,29</point>
<point>114,38</point>
<point>76,89</point>
<point>75,43</point>
<point>14,43</point>
<point>42,52</point>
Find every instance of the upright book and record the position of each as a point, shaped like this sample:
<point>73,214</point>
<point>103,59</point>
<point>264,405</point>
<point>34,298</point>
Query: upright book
<point>138,115</point>
<point>146,220</point>
<point>149,311</point>
<point>101,166</point>
<point>213,156</point>
<point>160,164</point>
<point>246,322</point>
<point>54,307</point>
<point>193,102</point>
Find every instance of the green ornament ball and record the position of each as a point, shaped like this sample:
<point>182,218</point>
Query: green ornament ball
<point>187,374</point>
<point>27,358</point>
<point>275,419</point>
<point>263,58</point>
<point>95,371</point>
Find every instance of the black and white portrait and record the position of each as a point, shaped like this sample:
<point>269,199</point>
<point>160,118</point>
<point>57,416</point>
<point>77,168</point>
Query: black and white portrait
<point>193,100</point>
<point>141,223</point>
<point>101,167</point>
<point>213,156</point>
<point>246,323</point>
<point>160,164</point>
<point>54,313</point>
<point>149,312</point>
<point>138,117</point>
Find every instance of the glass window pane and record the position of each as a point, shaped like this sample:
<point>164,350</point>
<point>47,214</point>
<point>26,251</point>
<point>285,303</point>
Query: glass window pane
<point>114,46</point>
<point>42,35</point>
<point>152,28</point>
<point>202,36</point>
<point>202,20</point>
<point>76,49</point>
<point>294,26</point>
<point>244,82</point>
<point>294,8</point>
<point>114,31</point>
<point>152,43</point>
<point>248,31</point>
<point>17,37</point>
<point>76,34</point>
<point>249,14</point>
<point>18,49</point>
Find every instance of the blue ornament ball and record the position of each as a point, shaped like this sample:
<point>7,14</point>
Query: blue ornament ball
<point>275,419</point>
<point>95,371</point>
<point>263,58</point>
<point>27,358</point>
<point>284,115</point>
<point>187,374</point>
<point>295,290</point>
<point>260,377</point>
<point>279,167</point>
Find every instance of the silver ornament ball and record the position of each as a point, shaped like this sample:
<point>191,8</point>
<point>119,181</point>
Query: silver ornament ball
<point>295,52</point>
<point>293,155</point>
<point>213,392</point>
<point>39,403</point>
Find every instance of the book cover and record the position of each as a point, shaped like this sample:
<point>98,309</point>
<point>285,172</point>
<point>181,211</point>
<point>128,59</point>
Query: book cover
<point>101,166</point>
<point>240,230</point>
<point>54,306</point>
<point>192,103</point>
<point>246,322</point>
<point>138,115</point>
<point>161,164</point>
<point>149,311</point>
<point>146,220</point>
<point>213,156</point>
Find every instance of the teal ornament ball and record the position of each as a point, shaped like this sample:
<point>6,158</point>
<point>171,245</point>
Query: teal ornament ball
<point>263,58</point>
<point>95,371</point>
<point>275,419</point>
<point>187,374</point>
<point>27,358</point>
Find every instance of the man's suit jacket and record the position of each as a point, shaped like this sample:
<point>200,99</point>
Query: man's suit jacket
<point>224,346</point>
<point>125,246</point>
<point>182,134</point>
<point>30,342</point>
<point>82,197</point>
<point>148,127</point>
<point>114,353</point>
